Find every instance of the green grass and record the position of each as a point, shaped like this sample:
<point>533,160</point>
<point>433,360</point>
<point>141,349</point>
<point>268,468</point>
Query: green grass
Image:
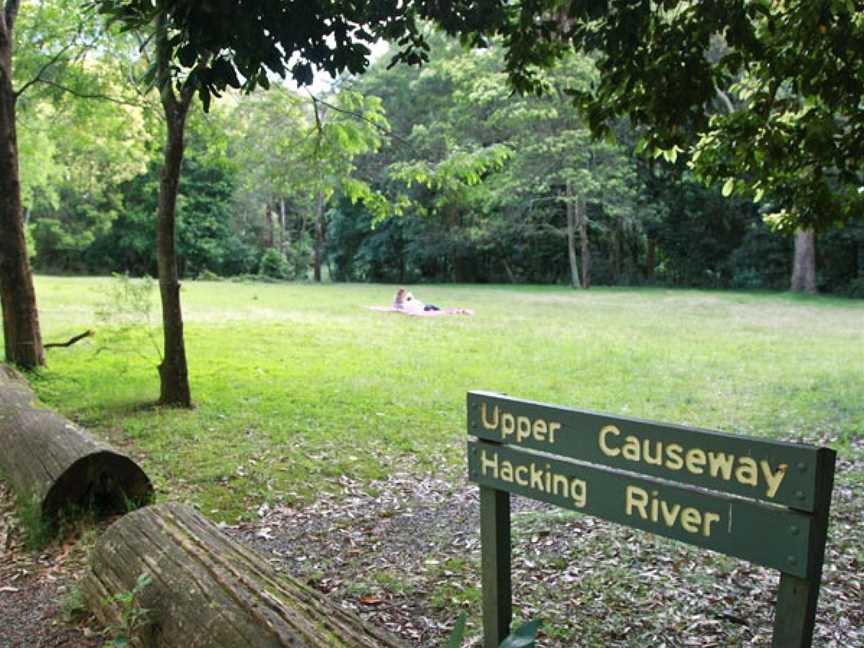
<point>296,384</point>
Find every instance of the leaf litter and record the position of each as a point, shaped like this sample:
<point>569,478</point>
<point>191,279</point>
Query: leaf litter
<point>404,553</point>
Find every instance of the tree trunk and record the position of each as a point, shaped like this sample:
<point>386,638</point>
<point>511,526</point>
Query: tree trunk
<point>804,269</point>
<point>571,237</point>
<point>173,371</point>
<point>21,334</point>
<point>511,277</point>
<point>319,234</point>
<point>582,218</point>
<point>650,259</point>
<point>285,235</point>
<point>270,236</point>
<point>208,591</point>
<point>616,253</point>
<point>58,466</point>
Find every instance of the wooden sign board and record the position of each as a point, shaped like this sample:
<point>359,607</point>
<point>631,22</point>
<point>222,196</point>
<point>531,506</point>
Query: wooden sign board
<point>760,500</point>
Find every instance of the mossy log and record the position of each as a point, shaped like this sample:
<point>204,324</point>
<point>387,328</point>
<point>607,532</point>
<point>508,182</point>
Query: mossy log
<point>208,591</point>
<point>54,463</point>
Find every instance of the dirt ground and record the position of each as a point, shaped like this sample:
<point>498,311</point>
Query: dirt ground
<point>37,603</point>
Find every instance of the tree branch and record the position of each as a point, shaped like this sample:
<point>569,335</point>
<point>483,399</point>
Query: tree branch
<point>87,95</point>
<point>70,341</point>
<point>54,59</point>
<point>356,115</point>
<point>726,101</point>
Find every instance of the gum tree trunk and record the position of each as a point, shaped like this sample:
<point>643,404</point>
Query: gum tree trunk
<point>21,334</point>
<point>571,237</point>
<point>585,252</point>
<point>319,234</point>
<point>804,265</point>
<point>173,371</point>
<point>208,591</point>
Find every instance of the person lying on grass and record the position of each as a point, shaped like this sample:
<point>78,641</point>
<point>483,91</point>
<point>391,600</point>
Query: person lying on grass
<point>407,304</point>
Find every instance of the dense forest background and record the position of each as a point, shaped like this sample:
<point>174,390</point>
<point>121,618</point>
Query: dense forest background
<point>406,174</point>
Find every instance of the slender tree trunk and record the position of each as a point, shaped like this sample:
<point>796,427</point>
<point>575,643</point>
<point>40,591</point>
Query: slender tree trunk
<point>585,252</point>
<point>571,237</point>
<point>270,236</point>
<point>319,233</point>
<point>650,258</point>
<point>285,242</point>
<point>511,277</point>
<point>616,255</point>
<point>21,334</point>
<point>804,268</point>
<point>173,371</point>
<point>456,256</point>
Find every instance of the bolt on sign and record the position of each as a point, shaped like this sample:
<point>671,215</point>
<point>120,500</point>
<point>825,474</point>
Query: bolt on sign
<point>760,500</point>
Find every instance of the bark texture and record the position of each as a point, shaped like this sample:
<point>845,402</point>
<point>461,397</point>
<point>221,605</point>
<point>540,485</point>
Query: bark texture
<point>804,266</point>
<point>47,457</point>
<point>21,333</point>
<point>571,237</point>
<point>173,371</point>
<point>319,235</point>
<point>585,251</point>
<point>208,591</point>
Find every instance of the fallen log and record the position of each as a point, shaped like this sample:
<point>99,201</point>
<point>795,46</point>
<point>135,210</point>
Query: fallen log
<point>57,465</point>
<point>208,591</point>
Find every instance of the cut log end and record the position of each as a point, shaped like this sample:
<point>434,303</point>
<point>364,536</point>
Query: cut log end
<point>57,465</point>
<point>104,483</point>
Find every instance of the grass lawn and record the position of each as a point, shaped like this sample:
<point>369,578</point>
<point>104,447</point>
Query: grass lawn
<point>297,384</point>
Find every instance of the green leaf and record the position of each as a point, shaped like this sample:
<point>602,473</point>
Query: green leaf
<point>728,187</point>
<point>523,636</point>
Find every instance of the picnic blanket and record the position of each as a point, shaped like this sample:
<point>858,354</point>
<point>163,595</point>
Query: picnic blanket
<point>430,313</point>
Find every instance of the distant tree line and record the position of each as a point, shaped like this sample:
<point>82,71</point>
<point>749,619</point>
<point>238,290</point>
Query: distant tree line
<point>405,174</point>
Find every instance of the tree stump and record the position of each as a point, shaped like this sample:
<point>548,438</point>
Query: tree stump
<point>60,466</point>
<point>208,591</point>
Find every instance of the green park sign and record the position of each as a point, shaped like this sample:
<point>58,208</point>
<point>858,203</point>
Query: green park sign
<point>763,501</point>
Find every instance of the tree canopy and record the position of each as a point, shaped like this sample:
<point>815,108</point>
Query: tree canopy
<point>766,95</point>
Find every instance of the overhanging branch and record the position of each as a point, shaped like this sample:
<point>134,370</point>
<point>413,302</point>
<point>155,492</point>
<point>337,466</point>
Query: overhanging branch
<point>36,79</point>
<point>89,95</point>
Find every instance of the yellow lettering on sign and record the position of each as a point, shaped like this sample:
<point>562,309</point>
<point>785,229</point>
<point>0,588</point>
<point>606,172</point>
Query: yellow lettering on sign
<point>540,430</point>
<point>650,507</point>
<point>523,428</point>
<point>747,472</point>
<point>519,426</point>
<point>674,460</point>
<point>673,456</point>
<point>695,461</point>
<point>539,477</point>
<point>486,462</point>
<point>773,479</point>
<point>508,424</point>
<point>631,449</point>
<point>521,470</point>
<point>604,448</point>
<point>489,425</point>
